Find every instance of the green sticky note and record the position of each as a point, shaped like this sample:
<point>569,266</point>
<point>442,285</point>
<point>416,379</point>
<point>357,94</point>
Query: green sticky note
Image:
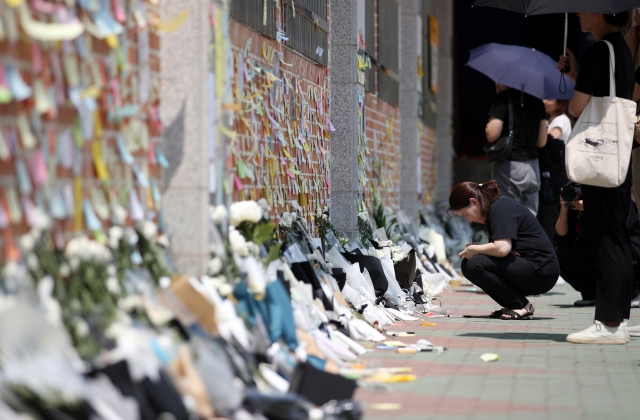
<point>241,173</point>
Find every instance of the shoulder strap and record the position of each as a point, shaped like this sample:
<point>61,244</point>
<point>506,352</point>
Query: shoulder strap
<point>510,116</point>
<point>612,73</point>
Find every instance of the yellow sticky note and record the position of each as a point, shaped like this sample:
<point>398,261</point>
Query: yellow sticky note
<point>77,203</point>
<point>101,167</point>
<point>394,343</point>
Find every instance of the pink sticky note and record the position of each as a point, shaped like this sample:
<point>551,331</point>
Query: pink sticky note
<point>330,126</point>
<point>237,183</point>
<point>29,210</point>
<point>152,153</point>
<point>118,11</point>
<point>289,173</point>
<point>38,168</point>
<point>115,89</point>
<point>36,57</point>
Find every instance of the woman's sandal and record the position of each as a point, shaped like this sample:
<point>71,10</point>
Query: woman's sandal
<point>514,316</point>
<point>498,314</point>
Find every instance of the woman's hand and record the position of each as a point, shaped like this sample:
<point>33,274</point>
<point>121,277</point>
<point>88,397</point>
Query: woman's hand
<point>571,62</point>
<point>577,205</point>
<point>469,252</point>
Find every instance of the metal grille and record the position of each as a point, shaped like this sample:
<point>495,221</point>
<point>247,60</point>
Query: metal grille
<point>307,31</point>
<point>319,7</point>
<point>251,14</point>
<point>388,41</point>
<point>370,40</point>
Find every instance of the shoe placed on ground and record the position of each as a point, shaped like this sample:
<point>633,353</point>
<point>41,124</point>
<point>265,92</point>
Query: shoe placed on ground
<point>584,302</point>
<point>634,331</point>
<point>635,303</point>
<point>599,333</point>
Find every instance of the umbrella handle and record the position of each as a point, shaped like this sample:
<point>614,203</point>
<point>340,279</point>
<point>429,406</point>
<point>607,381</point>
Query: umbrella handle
<point>566,32</point>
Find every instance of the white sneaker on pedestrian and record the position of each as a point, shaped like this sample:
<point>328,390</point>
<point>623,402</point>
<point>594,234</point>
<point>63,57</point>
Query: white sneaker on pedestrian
<point>634,331</point>
<point>635,303</point>
<point>599,333</point>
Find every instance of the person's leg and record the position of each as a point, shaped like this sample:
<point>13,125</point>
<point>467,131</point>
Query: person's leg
<point>576,267</point>
<point>506,280</point>
<point>635,167</point>
<point>529,184</point>
<point>605,223</point>
<point>502,174</point>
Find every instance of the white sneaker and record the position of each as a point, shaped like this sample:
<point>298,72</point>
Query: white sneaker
<point>599,333</point>
<point>634,331</point>
<point>635,303</point>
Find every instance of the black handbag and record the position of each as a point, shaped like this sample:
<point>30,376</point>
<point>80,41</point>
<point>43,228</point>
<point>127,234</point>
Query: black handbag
<point>499,150</point>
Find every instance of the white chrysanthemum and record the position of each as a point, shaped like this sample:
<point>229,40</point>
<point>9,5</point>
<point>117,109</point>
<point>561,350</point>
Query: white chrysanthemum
<point>118,215</point>
<point>214,266</point>
<point>64,270</point>
<point>397,254</point>
<point>296,207</point>
<point>238,243</point>
<point>113,285</point>
<point>225,289</point>
<point>163,241</point>
<point>148,229</point>
<point>245,211</point>
<point>218,214</point>
<point>266,208</point>
<point>286,220</point>
<point>112,270</point>
<point>364,216</point>
<point>380,253</point>
<point>115,234</point>
<point>81,327</point>
<point>325,217</point>
<point>32,261</point>
<point>27,242</point>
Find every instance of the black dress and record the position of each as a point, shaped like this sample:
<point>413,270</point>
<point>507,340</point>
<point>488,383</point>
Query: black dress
<point>606,209</point>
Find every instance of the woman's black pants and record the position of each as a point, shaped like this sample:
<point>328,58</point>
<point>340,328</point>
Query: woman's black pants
<point>605,222</point>
<point>577,268</point>
<point>508,280</point>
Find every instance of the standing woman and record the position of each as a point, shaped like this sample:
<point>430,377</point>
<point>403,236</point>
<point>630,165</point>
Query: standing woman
<point>519,175</point>
<point>518,262</point>
<point>605,209</point>
<point>553,175</point>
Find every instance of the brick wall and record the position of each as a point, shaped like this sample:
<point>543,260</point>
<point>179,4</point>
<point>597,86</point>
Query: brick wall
<point>428,157</point>
<point>293,111</point>
<point>72,163</point>
<point>382,124</point>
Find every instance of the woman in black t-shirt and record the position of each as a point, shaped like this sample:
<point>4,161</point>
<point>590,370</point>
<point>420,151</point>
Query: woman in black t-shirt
<point>518,262</point>
<point>605,209</point>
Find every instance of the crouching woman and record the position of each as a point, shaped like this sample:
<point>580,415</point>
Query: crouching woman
<point>519,260</point>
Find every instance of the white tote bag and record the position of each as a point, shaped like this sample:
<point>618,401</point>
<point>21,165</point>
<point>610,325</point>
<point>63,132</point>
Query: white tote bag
<point>599,148</point>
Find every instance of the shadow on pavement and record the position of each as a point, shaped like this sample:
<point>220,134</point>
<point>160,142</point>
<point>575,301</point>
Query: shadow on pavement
<point>559,338</point>
<point>535,318</point>
<point>567,306</point>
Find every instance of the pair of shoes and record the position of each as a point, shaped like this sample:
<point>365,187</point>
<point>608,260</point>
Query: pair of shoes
<point>634,331</point>
<point>635,303</point>
<point>584,302</point>
<point>514,316</point>
<point>599,333</point>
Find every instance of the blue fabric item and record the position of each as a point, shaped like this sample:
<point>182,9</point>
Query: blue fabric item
<point>275,309</point>
<point>317,362</point>
<point>521,68</point>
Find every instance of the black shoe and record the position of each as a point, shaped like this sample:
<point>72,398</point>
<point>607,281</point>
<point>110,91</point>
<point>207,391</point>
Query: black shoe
<point>584,302</point>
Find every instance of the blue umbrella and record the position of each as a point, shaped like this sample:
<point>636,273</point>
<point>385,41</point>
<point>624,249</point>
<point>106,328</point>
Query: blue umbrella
<point>521,68</point>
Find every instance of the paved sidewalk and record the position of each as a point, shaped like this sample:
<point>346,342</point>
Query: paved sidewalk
<point>539,375</point>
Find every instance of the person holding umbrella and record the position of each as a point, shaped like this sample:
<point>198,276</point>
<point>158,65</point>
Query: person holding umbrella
<point>517,121</point>
<point>519,175</point>
<point>605,209</point>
